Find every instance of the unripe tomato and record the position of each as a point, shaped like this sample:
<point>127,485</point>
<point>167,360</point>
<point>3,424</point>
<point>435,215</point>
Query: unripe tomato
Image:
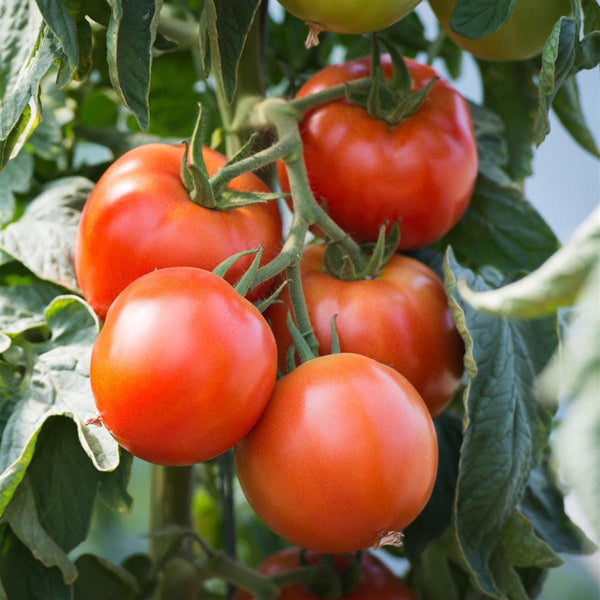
<point>139,218</point>
<point>377,582</point>
<point>401,319</point>
<point>350,16</point>
<point>183,366</point>
<point>344,454</point>
<point>521,37</point>
<point>421,171</point>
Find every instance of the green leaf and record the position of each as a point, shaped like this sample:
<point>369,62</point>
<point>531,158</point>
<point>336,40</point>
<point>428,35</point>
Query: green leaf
<point>474,19</point>
<point>61,23</point>
<point>558,58</point>
<point>113,485</point>
<point>591,12</point>
<point>43,239</point>
<point>556,283</point>
<point>28,50</point>
<point>100,580</point>
<point>224,26</point>
<point>25,578</point>
<point>14,179</point>
<point>23,517</point>
<point>22,307</point>
<point>505,430</point>
<point>56,382</point>
<point>568,109</point>
<point>509,91</point>
<point>129,39</point>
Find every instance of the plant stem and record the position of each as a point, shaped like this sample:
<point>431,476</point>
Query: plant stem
<point>226,475</point>
<point>329,95</point>
<point>170,504</point>
<point>299,305</point>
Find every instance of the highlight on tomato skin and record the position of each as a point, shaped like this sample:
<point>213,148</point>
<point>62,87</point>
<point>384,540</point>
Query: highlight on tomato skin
<point>339,431</point>
<point>183,367</point>
<point>376,581</point>
<point>420,171</point>
<point>400,318</point>
<point>139,217</point>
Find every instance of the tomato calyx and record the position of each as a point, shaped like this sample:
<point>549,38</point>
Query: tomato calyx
<point>340,265</point>
<point>393,100</point>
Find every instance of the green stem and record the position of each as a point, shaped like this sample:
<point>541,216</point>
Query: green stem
<point>329,95</point>
<point>436,46</point>
<point>299,306</point>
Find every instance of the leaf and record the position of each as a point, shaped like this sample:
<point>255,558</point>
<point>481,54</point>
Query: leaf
<point>505,430</point>
<point>56,382</point>
<point>113,485</point>
<point>43,239</point>
<point>509,91</point>
<point>558,58</point>
<point>14,179</point>
<point>475,19</point>
<point>556,283</point>
<point>224,26</point>
<point>129,39</point>
<point>591,12</point>
<point>23,517</point>
<point>99,579</point>
<point>25,578</point>
<point>62,25</point>
<point>568,109</point>
<point>22,306</point>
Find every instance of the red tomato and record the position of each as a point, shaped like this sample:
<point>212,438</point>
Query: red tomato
<point>139,218</point>
<point>421,171</point>
<point>183,366</point>
<point>377,582</point>
<point>401,319</point>
<point>344,454</point>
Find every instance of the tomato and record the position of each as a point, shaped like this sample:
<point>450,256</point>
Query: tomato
<point>521,37</point>
<point>421,171</point>
<point>183,366</point>
<point>401,319</point>
<point>377,582</point>
<point>344,454</point>
<point>139,218</point>
<point>350,16</point>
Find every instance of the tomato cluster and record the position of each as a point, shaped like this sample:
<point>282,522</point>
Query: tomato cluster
<point>185,367</point>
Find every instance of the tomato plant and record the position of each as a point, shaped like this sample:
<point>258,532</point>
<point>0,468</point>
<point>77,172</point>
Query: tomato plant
<point>521,37</point>
<point>139,218</point>
<point>401,319</point>
<point>377,582</point>
<point>350,17</point>
<point>420,171</point>
<point>170,379</point>
<point>339,431</point>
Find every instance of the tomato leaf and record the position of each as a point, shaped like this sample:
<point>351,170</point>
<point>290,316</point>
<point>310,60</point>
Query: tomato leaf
<point>23,518</point>
<point>14,179</point>
<point>224,26</point>
<point>55,382</point>
<point>99,579</point>
<point>129,39</point>
<point>506,430</point>
<point>43,239</point>
<point>474,19</point>
<point>28,52</point>
<point>22,576</point>
<point>568,109</point>
<point>22,306</point>
<point>591,12</point>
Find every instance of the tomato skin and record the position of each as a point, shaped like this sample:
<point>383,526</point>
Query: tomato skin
<point>377,582</point>
<point>521,37</point>
<point>401,319</point>
<point>183,366</point>
<point>350,16</point>
<point>422,170</point>
<point>344,453</point>
<point>139,218</point>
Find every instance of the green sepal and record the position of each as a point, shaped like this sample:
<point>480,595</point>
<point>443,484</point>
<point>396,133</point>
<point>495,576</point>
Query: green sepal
<point>262,305</point>
<point>219,183</point>
<point>290,359</point>
<point>246,282</point>
<point>335,338</point>
<point>224,266</point>
<point>300,344</point>
<point>390,100</point>
<point>230,199</point>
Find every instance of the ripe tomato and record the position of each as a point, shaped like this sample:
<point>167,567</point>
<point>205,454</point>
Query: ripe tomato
<point>139,218</point>
<point>401,319</point>
<point>350,16</point>
<point>183,366</point>
<point>344,454</point>
<point>421,171</point>
<point>377,582</point>
<point>521,37</point>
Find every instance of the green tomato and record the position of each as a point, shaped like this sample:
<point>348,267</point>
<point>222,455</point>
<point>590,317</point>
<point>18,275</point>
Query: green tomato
<point>521,37</point>
<point>350,16</point>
